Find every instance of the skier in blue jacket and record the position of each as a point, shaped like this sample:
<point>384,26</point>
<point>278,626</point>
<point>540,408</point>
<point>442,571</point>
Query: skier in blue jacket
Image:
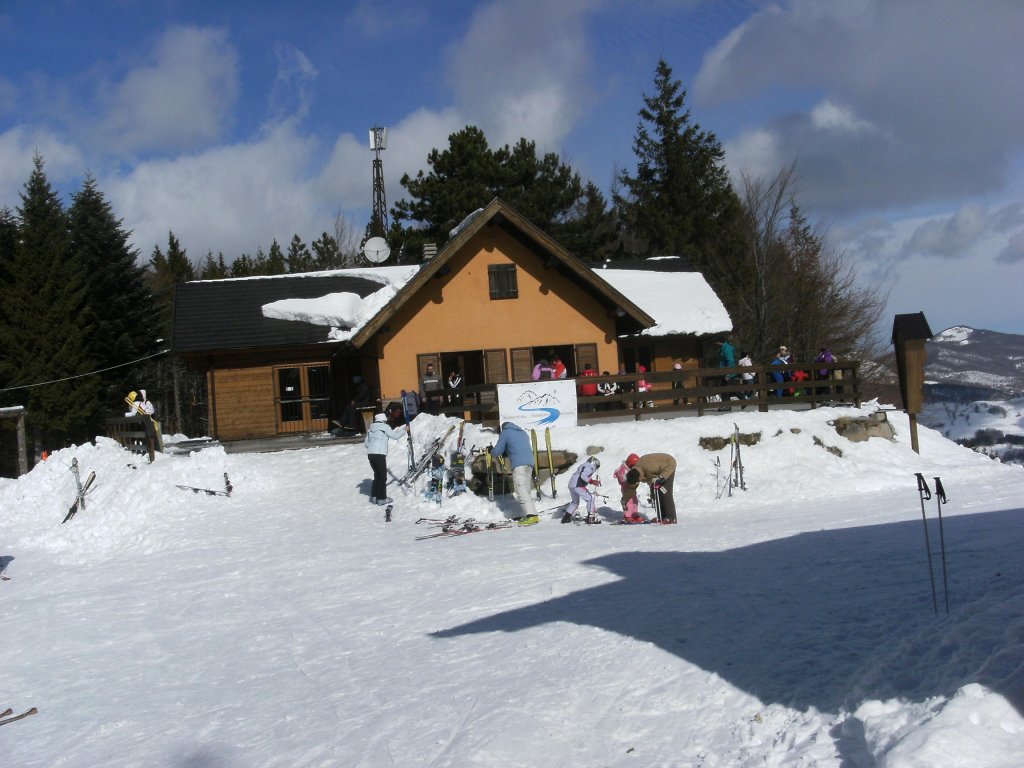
<point>515,443</point>
<point>377,437</point>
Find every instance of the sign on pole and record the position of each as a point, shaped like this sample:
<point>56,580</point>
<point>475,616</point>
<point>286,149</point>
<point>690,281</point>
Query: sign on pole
<point>538,404</point>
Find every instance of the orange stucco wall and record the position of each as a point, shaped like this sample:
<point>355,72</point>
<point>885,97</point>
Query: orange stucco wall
<point>455,313</point>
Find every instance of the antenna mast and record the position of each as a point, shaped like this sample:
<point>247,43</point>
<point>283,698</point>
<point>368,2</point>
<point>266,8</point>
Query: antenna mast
<point>378,225</point>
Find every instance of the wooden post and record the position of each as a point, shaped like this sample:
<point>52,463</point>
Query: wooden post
<point>909,333</point>
<point>18,412</point>
<point>22,448</point>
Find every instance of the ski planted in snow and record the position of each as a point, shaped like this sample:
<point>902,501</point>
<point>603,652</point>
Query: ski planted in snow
<point>536,464</point>
<point>551,461</point>
<point>425,458</point>
<point>83,488</point>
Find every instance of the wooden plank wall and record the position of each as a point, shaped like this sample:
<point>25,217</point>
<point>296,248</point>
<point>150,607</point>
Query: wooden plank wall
<point>244,402</point>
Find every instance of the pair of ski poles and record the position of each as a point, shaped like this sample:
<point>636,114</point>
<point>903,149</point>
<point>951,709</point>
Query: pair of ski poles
<point>940,498</point>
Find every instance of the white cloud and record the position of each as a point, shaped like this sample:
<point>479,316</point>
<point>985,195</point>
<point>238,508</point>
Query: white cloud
<point>347,177</point>
<point>930,89</point>
<point>1013,253</point>
<point>17,148</point>
<point>520,70</point>
<point>182,99</point>
<point>230,199</point>
<point>289,95</point>
<point>828,116</point>
<point>949,237</point>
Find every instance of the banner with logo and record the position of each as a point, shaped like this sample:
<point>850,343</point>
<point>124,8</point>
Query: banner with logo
<point>538,403</point>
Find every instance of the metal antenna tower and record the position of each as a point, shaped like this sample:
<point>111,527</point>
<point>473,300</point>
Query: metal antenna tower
<point>378,225</point>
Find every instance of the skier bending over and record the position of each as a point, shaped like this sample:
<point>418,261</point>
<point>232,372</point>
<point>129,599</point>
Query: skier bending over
<point>516,444</point>
<point>377,437</point>
<point>578,491</point>
<point>658,470</point>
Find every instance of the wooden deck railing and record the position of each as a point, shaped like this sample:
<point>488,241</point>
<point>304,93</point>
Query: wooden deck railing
<point>695,389</point>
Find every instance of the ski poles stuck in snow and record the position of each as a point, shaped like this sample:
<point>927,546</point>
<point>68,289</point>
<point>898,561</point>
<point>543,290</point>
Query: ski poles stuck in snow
<point>940,497</point>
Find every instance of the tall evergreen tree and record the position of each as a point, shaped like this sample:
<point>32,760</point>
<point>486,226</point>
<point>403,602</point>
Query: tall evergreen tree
<point>469,174</point>
<point>275,260</point>
<point>213,269</point>
<point>8,253</point>
<point>680,202</point>
<point>166,271</point>
<point>591,231</point>
<point>117,292</point>
<point>299,258</point>
<point>47,321</point>
<point>325,253</point>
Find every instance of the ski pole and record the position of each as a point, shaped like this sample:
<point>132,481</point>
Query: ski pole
<point>940,499</point>
<point>926,494</point>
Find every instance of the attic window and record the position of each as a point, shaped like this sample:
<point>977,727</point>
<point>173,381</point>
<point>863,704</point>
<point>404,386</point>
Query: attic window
<point>502,280</point>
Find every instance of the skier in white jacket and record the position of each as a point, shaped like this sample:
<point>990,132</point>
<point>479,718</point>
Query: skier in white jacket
<point>377,437</point>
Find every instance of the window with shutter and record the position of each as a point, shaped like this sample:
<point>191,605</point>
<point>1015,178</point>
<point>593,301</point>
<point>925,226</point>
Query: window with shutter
<point>502,280</point>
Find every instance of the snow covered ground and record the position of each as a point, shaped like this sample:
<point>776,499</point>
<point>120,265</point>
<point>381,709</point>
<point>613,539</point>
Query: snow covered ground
<point>791,624</point>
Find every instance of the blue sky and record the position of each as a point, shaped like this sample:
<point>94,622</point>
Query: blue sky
<point>236,123</point>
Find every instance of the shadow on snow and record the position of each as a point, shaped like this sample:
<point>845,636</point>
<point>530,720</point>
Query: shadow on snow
<point>825,619</point>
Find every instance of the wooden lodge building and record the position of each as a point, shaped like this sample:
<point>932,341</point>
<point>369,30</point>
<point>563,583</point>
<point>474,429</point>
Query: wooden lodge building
<point>279,353</point>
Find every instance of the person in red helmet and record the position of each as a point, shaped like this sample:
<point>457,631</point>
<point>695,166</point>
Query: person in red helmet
<point>629,479</point>
<point>658,470</point>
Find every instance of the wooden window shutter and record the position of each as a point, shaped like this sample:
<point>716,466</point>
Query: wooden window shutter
<point>586,353</point>
<point>522,364</point>
<point>495,369</point>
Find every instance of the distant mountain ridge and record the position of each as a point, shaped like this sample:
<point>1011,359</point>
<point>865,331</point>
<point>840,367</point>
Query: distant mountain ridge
<point>967,364</point>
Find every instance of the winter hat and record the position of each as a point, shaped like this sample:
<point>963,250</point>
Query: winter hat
<point>632,459</point>
<point>380,417</point>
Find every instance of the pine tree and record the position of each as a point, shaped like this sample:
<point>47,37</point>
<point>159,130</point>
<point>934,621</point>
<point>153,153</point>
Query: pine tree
<point>8,255</point>
<point>166,271</point>
<point>275,260</point>
<point>243,266</point>
<point>299,258</point>
<point>680,201</point>
<point>591,231</point>
<point>117,292</point>
<point>468,175</point>
<point>47,321</point>
<point>325,253</point>
<point>213,269</point>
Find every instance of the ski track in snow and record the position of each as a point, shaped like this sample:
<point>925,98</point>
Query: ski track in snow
<point>289,625</point>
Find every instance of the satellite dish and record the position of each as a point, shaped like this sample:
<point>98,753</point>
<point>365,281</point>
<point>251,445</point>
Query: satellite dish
<point>376,250</point>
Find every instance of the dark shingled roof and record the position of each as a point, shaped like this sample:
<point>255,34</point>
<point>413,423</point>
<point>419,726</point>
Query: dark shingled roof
<point>227,314</point>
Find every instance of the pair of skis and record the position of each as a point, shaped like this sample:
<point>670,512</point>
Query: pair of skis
<point>536,462</point>
<point>425,458</point>
<point>83,488</point>
<point>455,527</point>
<point>228,488</point>
<point>23,715</point>
<point>735,478</point>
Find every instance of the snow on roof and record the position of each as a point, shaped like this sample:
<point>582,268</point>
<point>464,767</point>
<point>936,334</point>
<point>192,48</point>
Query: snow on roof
<point>680,302</point>
<point>344,312</point>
